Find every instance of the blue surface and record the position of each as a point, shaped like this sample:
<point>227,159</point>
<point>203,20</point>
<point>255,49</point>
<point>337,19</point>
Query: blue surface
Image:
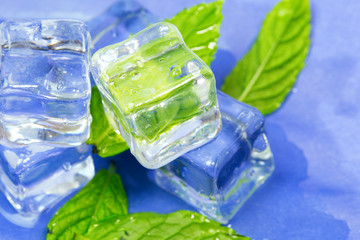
<point>314,192</point>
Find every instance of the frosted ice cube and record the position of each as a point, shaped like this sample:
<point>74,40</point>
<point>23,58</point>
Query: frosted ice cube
<point>162,95</point>
<point>220,176</point>
<point>44,81</point>
<point>37,176</point>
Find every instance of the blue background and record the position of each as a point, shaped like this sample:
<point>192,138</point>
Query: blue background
<point>314,192</point>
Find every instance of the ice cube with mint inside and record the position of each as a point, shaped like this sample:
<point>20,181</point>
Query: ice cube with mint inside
<point>218,177</point>
<point>159,94</point>
<point>45,86</point>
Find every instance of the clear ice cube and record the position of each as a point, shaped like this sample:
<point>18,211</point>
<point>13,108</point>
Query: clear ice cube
<point>118,22</point>
<point>44,81</point>
<point>162,96</point>
<point>35,177</point>
<point>220,176</point>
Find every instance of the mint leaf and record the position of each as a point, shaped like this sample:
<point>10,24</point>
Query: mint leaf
<point>102,135</point>
<point>104,196</point>
<point>269,70</point>
<point>99,211</point>
<point>178,225</point>
<point>200,26</point>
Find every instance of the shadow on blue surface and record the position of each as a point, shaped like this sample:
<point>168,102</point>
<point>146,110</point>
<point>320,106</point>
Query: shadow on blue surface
<point>264,215</point>
<point>144,195</point>
<point>222,65</point>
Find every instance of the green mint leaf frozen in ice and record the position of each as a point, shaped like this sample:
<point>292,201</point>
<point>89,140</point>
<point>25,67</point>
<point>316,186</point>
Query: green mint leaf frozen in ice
<point>178,225</point>
<point>103,197</point>
<point>200,27</point>
<point>265,76</point>
<point>102,135</point>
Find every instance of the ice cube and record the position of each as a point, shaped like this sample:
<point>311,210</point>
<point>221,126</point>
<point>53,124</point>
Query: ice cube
<point>37,176</point>
<point>220,176</point>
<point>44,85</point>
<point>162,95</point>
<point>117,23</point>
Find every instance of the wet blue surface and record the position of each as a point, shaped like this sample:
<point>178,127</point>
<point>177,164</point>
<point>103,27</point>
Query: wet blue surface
<point>314,192</point>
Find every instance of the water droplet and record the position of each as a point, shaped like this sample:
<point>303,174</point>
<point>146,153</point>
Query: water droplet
<point>67,166</point>
<point>251,173</point>
<point>183,172</point>
<point>175,71</point>
<point>111,83</point>
<point>173,42</point>
<point>200,8</point>
<point>135,75</point>
<point>139,63</point>
<point>60,86</point>
<point>21,192</point>
<point>95,225</point>
<point>283,12</point>
<point>161,60</point>
<point>163,29</point>
<point>212,45</point>
<point>122,76</point>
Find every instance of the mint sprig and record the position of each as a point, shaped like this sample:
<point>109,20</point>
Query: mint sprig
<point>265,76</point>
<point>100,211</point>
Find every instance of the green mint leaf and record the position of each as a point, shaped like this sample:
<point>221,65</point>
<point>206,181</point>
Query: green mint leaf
<point>178,225</point>
<point>104,196</point>
<point>200,26</point>
<point>265,76</point>
<point>99,212</point>
<point>102,135</point>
